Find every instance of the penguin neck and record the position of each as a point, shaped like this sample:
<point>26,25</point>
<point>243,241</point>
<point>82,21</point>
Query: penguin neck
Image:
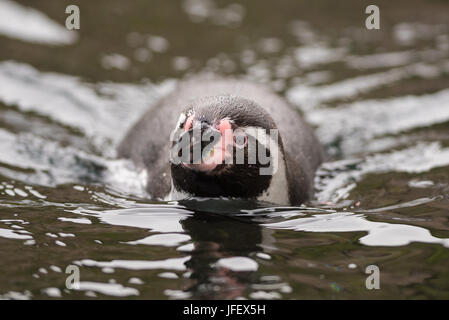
<point>175,194</point>
<point>277,192</point>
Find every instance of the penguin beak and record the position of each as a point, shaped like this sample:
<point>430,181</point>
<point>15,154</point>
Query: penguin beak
<point>208,148</point>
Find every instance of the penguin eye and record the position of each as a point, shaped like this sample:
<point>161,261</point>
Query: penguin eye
<point>240,140</point>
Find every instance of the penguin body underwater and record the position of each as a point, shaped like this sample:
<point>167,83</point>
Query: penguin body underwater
<point>253,130</point>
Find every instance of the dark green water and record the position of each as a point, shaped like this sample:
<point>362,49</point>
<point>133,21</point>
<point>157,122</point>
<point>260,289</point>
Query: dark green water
<point>379,101</point>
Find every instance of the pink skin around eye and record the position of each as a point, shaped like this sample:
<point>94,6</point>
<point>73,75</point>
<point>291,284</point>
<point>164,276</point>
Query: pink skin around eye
<point>226,133</point>
<point>188,124</point>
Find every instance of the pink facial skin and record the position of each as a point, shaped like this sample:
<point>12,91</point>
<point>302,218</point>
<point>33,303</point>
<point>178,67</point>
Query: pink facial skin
<point>221,149</point>
<point>189,123</point>
<point>227,135</point>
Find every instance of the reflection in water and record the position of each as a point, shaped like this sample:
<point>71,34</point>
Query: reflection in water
<point>221,249</point>
<point>223,253</point>
<point>216,238</point>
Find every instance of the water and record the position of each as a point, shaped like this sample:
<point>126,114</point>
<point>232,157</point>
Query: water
<point>379,101</point>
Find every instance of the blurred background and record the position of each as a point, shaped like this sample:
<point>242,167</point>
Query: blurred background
<point>379,101</point>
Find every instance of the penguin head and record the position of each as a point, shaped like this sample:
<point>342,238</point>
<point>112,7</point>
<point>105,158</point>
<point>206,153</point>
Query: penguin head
<point>224,146</point>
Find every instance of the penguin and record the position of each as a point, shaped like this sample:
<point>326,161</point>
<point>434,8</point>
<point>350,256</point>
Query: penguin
<point>252,144</point>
